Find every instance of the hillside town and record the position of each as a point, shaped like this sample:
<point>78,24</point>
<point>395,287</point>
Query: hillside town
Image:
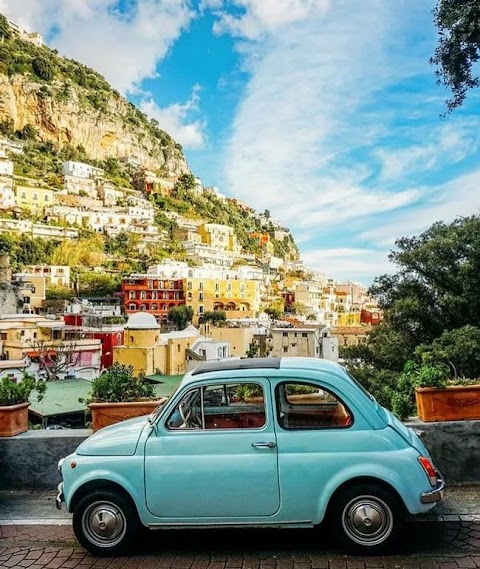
<point>234,303</point>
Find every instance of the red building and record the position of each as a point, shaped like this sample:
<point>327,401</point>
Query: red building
<point>155,295</point>
<point>289,298</point>
<point>109,336</point>
<point>371,318</point>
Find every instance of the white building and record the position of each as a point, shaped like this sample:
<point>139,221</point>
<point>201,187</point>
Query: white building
<point>6,167</point>
<point>7,195</point>
<point>81,170</point>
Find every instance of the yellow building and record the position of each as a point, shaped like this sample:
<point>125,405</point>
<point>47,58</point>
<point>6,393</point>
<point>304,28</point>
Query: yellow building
<point>36,199</point>
<point>239,339</point>
<point>150,352</point>
<point>239,298</point>
<point>348,319</point>
<point>218,236</point>
<point>33,289</point>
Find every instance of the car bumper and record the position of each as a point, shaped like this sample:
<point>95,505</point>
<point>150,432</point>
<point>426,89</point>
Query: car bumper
<point>436,494</point>
<point>60,499</point>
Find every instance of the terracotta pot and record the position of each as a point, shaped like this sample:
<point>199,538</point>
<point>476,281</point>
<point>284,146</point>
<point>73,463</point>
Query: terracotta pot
<point>13,419</point>
<point>104,414</point>
<point>454,403</point>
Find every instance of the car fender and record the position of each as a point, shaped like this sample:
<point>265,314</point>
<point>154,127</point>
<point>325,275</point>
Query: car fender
<point>98,477</point>
<point>395,479</point>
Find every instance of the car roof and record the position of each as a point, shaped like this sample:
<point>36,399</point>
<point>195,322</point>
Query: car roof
<point>217,369</point>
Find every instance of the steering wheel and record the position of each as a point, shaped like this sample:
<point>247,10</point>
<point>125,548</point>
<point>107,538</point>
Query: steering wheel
<point>189,417</point>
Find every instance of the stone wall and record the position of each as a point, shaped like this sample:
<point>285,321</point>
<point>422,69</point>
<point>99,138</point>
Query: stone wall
<point>454,446</point>
<point>30,460</point>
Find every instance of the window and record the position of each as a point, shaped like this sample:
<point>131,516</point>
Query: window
<point>200,296</point>
<point>143,295</point>
<point>200,309</point>
<point>131,306</point>
<point>228,406</point>
<point>131,294</point>
<point>200,286</point>
<point>305,406</point>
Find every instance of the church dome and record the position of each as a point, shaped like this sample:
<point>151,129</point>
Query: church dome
<point>142,321</point>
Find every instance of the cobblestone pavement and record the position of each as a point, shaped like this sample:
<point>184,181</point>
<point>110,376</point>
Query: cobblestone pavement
<point>446,545</point>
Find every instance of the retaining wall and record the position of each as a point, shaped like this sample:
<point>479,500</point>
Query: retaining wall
<point>30,460</point>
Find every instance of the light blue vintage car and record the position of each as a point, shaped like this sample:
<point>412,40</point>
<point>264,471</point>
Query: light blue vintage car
<point>267,442</point>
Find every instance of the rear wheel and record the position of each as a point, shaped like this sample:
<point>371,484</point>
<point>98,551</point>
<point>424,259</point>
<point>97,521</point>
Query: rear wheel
<point>366,518</point>
<point>106,523</point>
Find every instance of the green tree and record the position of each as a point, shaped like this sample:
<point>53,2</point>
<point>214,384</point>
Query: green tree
<point>5,31</point>
<point>431,309</point>
<point>216,317</point>
<point>98,284</point>
<point>43,68</point>
<point>180,315</point>
<point>458,48</point>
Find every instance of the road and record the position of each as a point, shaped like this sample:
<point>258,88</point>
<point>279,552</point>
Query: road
<point>424,545</point>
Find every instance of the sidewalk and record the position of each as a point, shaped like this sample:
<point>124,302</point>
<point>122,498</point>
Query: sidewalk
<point>23,507</point>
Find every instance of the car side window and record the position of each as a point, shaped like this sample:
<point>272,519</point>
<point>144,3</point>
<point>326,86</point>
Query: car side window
<point>224,406</point>
<point>303,405</point>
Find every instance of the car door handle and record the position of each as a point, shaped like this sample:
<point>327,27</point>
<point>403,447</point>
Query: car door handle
<point>271,444</point>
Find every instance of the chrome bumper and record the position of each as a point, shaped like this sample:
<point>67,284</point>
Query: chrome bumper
<point>60,499</point>
<point>436,494</point>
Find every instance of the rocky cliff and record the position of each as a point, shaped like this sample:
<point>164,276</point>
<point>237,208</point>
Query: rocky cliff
<point>68,103</point>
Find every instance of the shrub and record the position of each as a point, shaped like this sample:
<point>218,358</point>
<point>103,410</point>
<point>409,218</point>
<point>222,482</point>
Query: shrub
<point>12,393</point>
<point>118,384</point>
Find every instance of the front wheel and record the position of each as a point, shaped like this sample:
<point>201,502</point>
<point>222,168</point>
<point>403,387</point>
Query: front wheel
<point>366,518</point>
<point>106,523</point>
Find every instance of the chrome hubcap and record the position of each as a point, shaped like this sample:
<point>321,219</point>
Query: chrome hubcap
<point>367,520</point>
<point>104,524</point>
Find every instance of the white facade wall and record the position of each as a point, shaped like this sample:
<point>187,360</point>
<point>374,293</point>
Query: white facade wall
<point>6,168</point>
<point>7,197</point>
<point>81,170</point>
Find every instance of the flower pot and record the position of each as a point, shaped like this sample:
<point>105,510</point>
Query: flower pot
<point>13,419</point>
<point>104,414</point>
<point>454,403</point>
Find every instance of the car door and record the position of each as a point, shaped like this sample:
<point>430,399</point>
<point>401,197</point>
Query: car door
<point>213,454</point>
<point>316,439</point>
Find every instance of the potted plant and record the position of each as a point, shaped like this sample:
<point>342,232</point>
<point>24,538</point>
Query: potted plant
<point>441,399</point>
<point>14,403</point>
<point>117,395</point>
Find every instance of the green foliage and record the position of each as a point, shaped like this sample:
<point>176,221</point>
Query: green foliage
<point>28,132</point>
<point>98,284</point>
<point>43,68</point>
<point>180,315</point>
<point>7,126</point>
<point>216,317</point>
<point>431,315</point>
<point>12,393</point>
<point>118,384</point>
<point>458,49</point>
<point>26,250</point>
<point>252,351</point>
<point>59,293</point>
<point>5,31</point>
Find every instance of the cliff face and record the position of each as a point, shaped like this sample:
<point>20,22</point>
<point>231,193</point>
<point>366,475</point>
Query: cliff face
<point>65,117</point>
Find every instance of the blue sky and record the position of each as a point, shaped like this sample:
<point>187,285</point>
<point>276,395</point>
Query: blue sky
<point>325,112</point>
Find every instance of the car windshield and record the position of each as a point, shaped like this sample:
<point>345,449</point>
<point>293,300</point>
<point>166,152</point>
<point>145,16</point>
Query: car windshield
<point>154,414</point>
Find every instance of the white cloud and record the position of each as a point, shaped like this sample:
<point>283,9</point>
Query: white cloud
<point>175,120</point>
<point>124,47</point>
<point>264,16</point>
<point>456,198</point>
<point>331,142</point>
<point>356,264</point>
<point>447,143</point>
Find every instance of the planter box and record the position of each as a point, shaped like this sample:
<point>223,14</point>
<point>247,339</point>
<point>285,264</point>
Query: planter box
<point>454,403</point>
<point>104,414</point>
<point>13,419</point>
